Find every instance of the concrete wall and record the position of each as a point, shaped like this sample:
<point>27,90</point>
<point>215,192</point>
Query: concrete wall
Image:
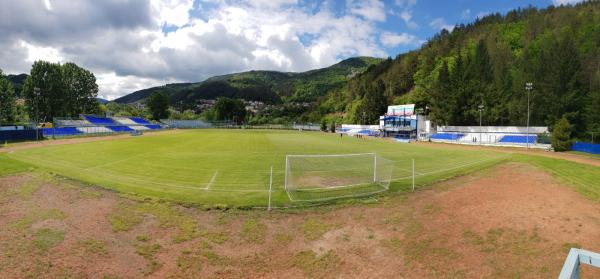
<point>492,129</point>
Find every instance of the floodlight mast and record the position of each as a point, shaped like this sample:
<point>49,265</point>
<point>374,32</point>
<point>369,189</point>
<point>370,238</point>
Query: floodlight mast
<point>480,107</point>
<point>528,88</point>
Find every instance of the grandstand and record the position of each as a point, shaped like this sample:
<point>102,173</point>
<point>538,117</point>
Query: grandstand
<point>363,130</point>
<point>491,135</point>
<point>97,125</point>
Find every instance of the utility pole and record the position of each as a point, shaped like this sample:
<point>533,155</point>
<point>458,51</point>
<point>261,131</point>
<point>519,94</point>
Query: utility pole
<point>528,88</point>
<point>480,107</point>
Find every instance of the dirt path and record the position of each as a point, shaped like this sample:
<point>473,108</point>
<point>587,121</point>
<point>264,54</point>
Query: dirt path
<point>507,222</point>
<point>516,150</point>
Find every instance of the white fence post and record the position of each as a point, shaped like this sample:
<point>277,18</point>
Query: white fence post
<point>270,187</point>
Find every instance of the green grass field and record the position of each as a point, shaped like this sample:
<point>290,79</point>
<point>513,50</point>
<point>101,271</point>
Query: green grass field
<point>232,167</point>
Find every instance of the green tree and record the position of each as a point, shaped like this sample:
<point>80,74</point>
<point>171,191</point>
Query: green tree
<point>332,127</point>
<point>158,105</point>
<point>441,99</point>
<point>230,109</point>
<point>324,125</point>
<point>43,91</point>
<point>561,135</point>
<point>7,101</point>
<point>81,90</point>
<point>373,104</point>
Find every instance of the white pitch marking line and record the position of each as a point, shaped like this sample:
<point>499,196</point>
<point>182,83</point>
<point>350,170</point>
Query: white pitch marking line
<point>212,180</point>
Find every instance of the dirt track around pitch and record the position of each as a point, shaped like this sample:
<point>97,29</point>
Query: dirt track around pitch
<point>510,221</point>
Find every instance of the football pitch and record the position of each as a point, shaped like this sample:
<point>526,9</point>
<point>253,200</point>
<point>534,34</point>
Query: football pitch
<point>217,167</point>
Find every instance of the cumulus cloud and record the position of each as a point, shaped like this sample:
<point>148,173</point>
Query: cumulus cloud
<point>439,24</point>
<point>566,2</point>
<point>407,13</point>
<point>134,44</point>
<point>369,9</point>
<point>390,39</point>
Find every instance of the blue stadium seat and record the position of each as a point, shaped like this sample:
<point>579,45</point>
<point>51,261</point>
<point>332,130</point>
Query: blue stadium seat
<point>447,136</point>
<point>60,132</point>
<point>140,120</point>
<point>120,128</point>
<point>99,120</point>
<point>153,127</point>
<point>518,139</point>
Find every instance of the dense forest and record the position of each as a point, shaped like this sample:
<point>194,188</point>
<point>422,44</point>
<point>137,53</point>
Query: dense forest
<point>488,63</point>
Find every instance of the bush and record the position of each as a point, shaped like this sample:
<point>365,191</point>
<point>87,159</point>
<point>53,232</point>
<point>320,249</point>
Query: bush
<point>561,135</point>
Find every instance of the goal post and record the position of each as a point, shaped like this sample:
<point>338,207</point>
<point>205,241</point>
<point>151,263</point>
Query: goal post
<point>332,176</point>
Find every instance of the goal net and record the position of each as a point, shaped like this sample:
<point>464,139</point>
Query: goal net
<point>325,177</point>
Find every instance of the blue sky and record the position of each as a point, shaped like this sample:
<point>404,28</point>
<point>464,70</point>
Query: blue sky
<point>134,44</point>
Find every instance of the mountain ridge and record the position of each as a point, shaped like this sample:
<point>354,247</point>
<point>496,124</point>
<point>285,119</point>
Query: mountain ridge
<point>261,85</point>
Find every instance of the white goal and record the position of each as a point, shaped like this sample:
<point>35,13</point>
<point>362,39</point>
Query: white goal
<point>326,177</point>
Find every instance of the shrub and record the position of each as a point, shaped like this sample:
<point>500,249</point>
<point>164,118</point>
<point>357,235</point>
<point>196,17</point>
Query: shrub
<point>561,135</point>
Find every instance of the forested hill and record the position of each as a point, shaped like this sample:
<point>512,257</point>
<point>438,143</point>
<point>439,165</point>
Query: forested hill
<point>488,62</point>
<point>267,86</point>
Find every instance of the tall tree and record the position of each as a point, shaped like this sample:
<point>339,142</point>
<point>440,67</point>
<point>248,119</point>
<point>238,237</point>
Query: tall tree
<point>230,109</point>
<point>373,104</point>
<point>81,90</point>
<point>7,101</point>
<point>441,101</point>
<point>561,135</point>
<point>44,91</point>
<point>158,104</point>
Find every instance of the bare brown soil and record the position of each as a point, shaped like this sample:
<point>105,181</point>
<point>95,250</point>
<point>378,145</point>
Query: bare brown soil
<point>508,222</point>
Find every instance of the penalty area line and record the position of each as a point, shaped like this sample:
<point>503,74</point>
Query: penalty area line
<point>212,180</point>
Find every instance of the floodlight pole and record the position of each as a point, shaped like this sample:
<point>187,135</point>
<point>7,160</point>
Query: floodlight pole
<point>480,107</point>
<point>36,93</point>
<point>528,88</point>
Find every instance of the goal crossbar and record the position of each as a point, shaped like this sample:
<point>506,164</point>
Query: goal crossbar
<point>317,177</point>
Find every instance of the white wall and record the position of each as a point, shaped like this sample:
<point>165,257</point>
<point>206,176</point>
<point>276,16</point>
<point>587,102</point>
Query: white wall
<point>492,129</point>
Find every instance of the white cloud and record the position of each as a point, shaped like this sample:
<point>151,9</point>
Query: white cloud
<point>114,86</point>
<point>566,2</point>
<point>123,41</point>
<point>48,5</point>
<point>406,3</point>
<point>369,9</point>
<point>439,24</point>
<point>35,53</point>
<point>172,12</point>
<point>390,39</point>
<point>466,14</point>
<point>406,15</point>
<point>482,14</point>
